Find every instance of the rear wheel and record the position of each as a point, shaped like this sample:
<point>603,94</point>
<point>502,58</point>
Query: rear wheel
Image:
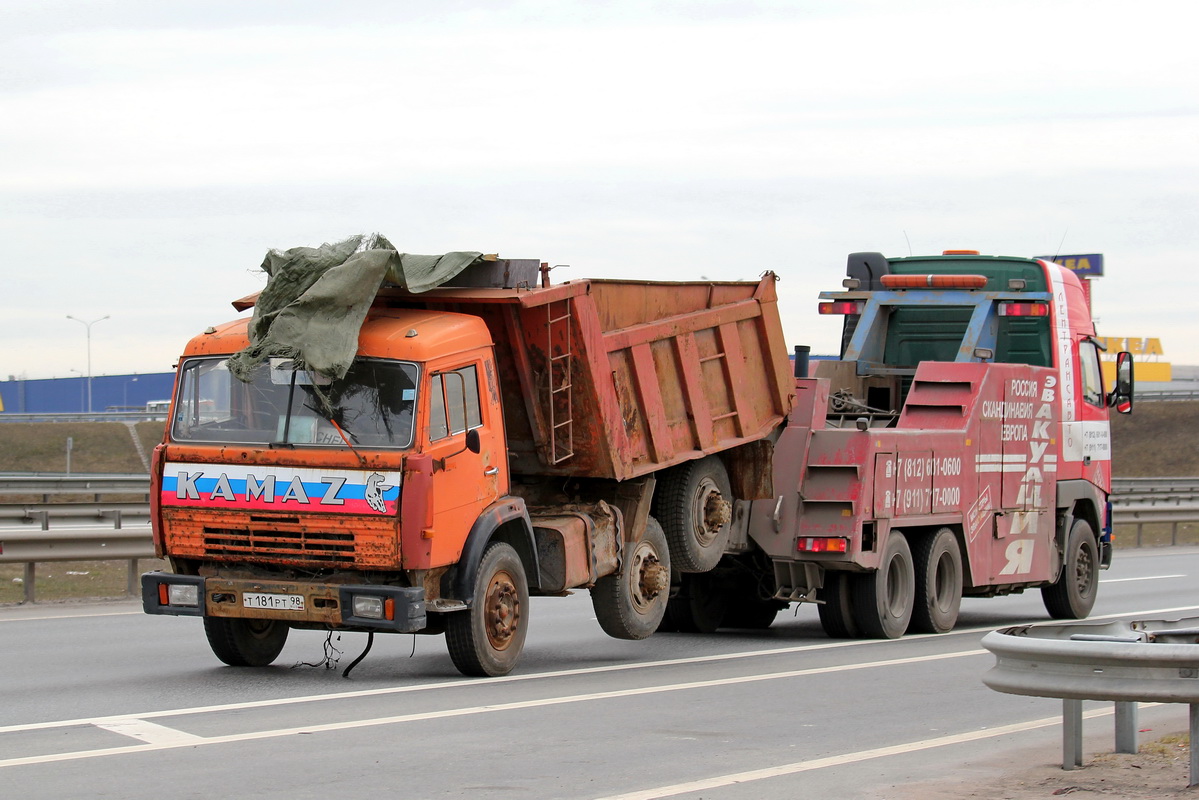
<point>882,600</point>
<point>938,562</point>
<point>245,642</point>
<point>752,613</point>
<point>836,612</point>
<point>1072,595</point>
<point>486,639</point>
<point>699,605</point>
<point>630,604</point>
<point>694,503</point>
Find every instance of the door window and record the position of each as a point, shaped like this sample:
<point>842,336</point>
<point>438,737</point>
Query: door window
<point>454,403</point>
<point>1092,378</point>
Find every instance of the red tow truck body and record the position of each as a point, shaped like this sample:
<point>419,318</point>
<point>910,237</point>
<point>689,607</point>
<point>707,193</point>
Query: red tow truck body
<point>960,446</point>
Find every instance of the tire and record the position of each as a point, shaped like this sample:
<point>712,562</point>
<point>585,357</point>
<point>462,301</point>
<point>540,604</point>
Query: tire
<point>938,562</point>
<point>836,612</point>
<point>751,613</point>
<point>630,604</point>
<point>694,504</point>
<point>486,639</point>
<point>245,642</point>
<point>1072,595</point>
<point>882,600</point>
<point>705,603</point>
<point>678,617</point>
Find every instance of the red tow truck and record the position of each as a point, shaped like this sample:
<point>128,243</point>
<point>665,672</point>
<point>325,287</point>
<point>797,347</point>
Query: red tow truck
<point>959,446</point>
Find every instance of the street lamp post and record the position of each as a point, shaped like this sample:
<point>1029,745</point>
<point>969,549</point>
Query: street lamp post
<point>82,384</point>
<point>88,326</point>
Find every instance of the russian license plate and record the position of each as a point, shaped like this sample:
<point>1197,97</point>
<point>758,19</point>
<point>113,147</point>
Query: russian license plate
<point>276,602</point>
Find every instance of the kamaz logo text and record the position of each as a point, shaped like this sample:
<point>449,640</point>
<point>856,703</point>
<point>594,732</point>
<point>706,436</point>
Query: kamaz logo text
<point>327,491</point>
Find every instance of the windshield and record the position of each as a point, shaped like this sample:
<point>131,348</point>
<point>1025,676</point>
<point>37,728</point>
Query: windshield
<point>373,405</point>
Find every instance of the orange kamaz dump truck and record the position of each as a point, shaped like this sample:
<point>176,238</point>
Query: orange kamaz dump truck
<point>489,442</point>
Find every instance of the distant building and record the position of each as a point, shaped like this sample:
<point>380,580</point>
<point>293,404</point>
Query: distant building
<point>69,395</point>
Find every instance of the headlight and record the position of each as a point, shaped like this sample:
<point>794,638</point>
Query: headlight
<point>183,594</point>
<point>368,606</point>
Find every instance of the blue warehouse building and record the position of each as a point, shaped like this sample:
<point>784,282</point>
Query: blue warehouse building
<point>69,395</point>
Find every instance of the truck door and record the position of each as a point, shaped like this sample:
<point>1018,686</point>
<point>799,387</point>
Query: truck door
<point>1086,438</point>
<point>464,482</point>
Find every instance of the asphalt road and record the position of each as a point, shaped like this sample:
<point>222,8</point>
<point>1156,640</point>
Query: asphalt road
<point>98,700</point>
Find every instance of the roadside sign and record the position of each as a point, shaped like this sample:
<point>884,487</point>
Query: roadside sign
<point>1091,265</point>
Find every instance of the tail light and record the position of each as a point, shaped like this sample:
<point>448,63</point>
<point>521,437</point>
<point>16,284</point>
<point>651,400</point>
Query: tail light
<point>822,544</point>
<point>1023,310</point>
<point>840,307</point>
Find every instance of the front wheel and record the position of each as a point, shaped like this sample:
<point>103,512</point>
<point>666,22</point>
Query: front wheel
<point>882,600</point>
<point>630,604</point>
<point>245,642</point>
<point>1072,595</point>
<point>486,639</point>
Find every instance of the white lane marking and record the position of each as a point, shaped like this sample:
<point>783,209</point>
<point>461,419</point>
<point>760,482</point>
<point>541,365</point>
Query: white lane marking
<point>471,710</point>
<point>731,779</point>
<point>564,673</point>
<point>149,732</point>
<point>1146,578</point>
<point>137,613</point>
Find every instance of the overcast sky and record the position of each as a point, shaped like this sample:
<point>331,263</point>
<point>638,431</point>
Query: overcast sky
<point>151,151</point>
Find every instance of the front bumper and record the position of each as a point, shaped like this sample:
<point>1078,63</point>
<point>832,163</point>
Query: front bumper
<point>402,608</point>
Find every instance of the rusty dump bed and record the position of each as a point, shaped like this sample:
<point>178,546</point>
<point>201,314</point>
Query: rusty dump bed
<point>615,379</point>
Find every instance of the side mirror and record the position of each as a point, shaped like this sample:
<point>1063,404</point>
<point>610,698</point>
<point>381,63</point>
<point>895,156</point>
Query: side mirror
<point>471,443</point>
<point>1121,396</point>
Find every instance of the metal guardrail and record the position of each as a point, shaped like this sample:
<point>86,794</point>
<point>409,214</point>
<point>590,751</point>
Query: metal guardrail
<point>1125,662</point>
<point>94,416</point>
<point>1143,515</point>
<point>33,547</point>
<point>75,513</point>
<point>1167,394</point>
<point>74,484</point>
<point>1126,491</point>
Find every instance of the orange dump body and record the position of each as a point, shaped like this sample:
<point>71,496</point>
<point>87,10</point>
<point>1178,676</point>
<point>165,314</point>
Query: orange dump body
<point>617,379</point>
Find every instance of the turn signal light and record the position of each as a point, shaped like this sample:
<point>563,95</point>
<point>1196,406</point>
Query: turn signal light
<point>822,544</point>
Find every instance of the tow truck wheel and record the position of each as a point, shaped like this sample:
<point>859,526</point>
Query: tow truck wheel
<point>630,604</point>
<point>882,600</point>
<point>245,642</point>
<point>700,606</point>
<point>694,503</point>
<point>486,639</point>
<point>1072,595</point>
<point>938,561</point>
<point>836,612</point>
<point>752,613</point>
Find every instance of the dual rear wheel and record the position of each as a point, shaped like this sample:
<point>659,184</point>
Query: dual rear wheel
<point>916,587</point>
